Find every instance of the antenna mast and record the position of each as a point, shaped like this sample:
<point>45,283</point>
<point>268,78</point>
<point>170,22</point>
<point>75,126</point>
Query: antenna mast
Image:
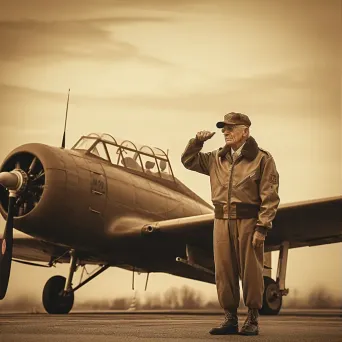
<point>66,117</point>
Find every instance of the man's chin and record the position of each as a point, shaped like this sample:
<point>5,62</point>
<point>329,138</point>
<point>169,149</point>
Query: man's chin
<point>229,143</point>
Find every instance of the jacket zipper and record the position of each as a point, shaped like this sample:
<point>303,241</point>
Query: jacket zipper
<point>230,184</point>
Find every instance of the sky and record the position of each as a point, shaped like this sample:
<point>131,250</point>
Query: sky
<point>157,72</point>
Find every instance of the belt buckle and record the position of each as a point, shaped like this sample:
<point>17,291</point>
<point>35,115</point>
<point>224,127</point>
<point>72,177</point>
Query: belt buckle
<point>225,211</point>
<point>232,213</point>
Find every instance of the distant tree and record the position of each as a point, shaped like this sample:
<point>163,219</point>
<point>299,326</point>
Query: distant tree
<point>153,302</point>
<point>22,303</point>
<point>171,299</point>
<point>320,298</point>
<point>189,299</point>
<point>120,303</point>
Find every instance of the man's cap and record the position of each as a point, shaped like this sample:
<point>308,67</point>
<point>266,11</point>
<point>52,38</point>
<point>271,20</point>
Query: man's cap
<point>234,119</point>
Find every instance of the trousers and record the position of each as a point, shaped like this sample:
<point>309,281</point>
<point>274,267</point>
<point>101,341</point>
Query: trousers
<point>235,258</point>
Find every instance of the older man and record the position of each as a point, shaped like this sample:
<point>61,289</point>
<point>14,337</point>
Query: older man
<point>244,189</point>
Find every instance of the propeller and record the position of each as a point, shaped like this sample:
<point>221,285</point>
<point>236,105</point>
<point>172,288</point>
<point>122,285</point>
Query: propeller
<point>24,193</point>
<point>6,248</point>
<point>12,181</point>
<point>32,171</point>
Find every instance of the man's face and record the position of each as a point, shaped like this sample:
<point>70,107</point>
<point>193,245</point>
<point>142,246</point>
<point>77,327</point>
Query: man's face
<point>234,135</point>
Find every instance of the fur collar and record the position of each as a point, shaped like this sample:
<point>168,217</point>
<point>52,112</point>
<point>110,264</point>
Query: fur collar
<point>249,150</point>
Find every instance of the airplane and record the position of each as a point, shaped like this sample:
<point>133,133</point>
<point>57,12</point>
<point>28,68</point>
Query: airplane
<point>114,203</point>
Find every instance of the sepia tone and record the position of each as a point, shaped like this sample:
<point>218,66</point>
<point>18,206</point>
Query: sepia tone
<point>155,73</point>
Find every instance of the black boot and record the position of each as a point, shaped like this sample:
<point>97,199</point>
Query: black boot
<point>228,326</point>
<point>251,326</point>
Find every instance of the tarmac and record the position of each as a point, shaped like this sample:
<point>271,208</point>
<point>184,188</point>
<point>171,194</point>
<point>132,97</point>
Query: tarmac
<point>164,326</point>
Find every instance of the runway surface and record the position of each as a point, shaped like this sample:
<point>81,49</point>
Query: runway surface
<point>164,327</point>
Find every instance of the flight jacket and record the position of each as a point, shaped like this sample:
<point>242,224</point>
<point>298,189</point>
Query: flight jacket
<point>251,179</point>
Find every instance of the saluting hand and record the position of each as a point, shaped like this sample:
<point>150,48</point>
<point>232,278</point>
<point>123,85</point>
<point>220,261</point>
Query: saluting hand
<point>204,135</point>
<point>258,239</point>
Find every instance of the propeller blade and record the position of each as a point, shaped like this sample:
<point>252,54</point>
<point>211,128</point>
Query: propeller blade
<point>6,249</point>
<point>41,174</point>
<point>33,164</point>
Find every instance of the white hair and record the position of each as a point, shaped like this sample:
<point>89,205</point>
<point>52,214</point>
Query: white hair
<point>243,127</point>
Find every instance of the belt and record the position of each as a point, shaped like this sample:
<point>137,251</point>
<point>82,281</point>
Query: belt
<point>237,211</point>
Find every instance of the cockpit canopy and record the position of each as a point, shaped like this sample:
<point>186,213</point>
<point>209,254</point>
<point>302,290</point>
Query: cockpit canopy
<point>124,153</point>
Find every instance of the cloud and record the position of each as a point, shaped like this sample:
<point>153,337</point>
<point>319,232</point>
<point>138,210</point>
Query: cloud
<point>283,90</point>
<point>8,92</point>
<point>76,9</point>
<point>80,39</point>
<point>19,106</point>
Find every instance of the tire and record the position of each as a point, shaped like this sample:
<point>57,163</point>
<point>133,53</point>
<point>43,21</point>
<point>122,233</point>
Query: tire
<point>53,301</point>
<point>272,299</point>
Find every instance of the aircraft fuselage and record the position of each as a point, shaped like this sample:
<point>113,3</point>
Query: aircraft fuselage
<point>93,206</point>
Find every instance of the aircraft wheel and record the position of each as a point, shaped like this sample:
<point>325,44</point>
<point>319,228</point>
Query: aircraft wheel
<point>272,299</point>
<point>53,299</point>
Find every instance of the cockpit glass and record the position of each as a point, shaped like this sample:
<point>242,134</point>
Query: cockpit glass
<point>99,150</point>
<point>124,153</point>
<point>84,144</point>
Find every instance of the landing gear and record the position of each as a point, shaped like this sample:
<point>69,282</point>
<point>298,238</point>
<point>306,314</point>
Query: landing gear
<point>272,299</point>
<point>275,290</point>
<point>55,300</point>
<point>58,294</point>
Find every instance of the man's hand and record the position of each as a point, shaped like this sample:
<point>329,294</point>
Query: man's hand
<point>204,135</point>
<point>258,239</point>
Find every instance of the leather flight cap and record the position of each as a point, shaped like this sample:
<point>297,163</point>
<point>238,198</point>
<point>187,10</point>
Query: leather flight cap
<point>234,119</point>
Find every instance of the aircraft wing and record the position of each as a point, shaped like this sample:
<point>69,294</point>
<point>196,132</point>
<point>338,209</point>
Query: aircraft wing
<point>30,249</point>
<point>307,223</point>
